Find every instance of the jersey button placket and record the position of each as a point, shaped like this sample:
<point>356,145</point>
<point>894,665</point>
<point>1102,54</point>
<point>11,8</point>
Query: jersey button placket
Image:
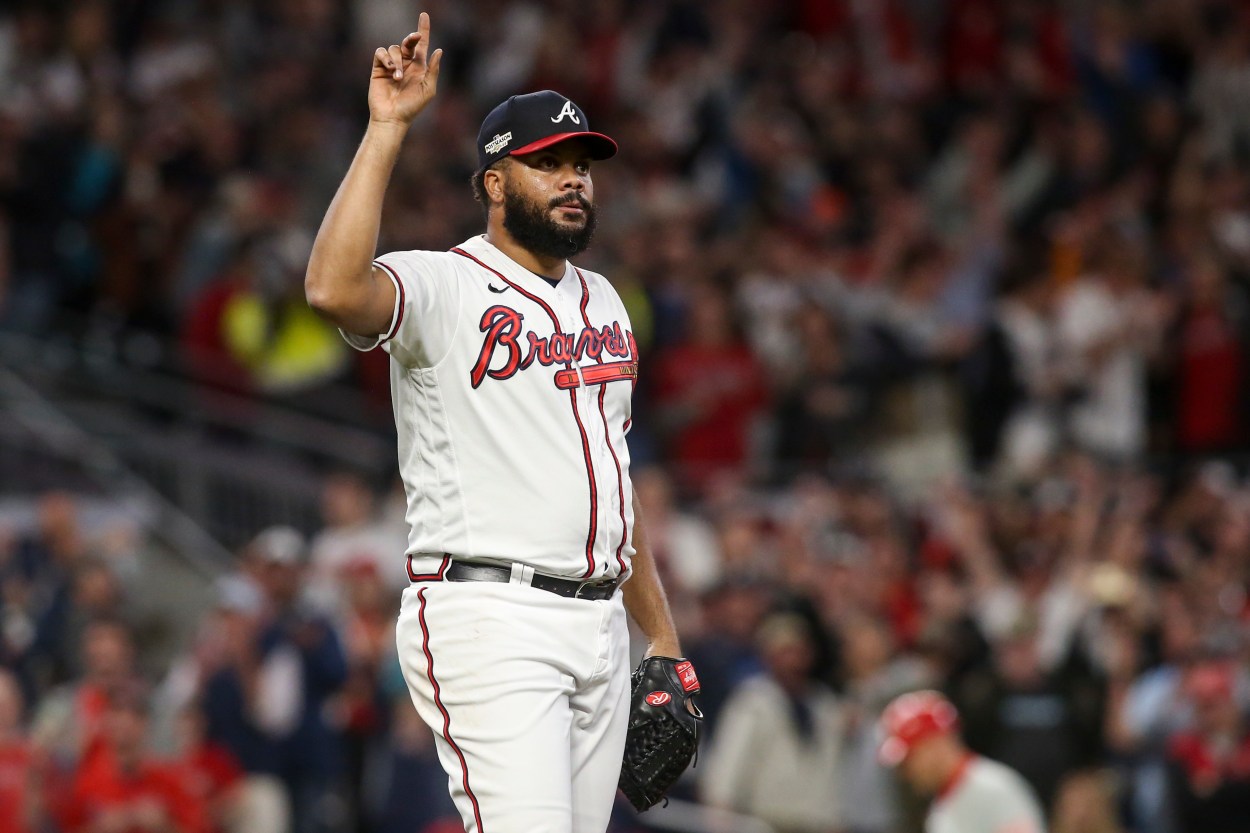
<point>571,323</point>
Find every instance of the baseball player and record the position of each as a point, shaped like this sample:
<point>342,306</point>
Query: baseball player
<point>511,377</point>
<point>971,794</point>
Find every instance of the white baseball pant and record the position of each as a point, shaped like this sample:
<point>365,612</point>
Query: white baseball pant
<point>527,693</point>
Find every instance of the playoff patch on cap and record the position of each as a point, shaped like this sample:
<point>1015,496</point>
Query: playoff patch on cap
<point>530,122</point>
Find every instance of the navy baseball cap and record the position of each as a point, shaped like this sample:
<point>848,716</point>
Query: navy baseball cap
<point>530,122</point>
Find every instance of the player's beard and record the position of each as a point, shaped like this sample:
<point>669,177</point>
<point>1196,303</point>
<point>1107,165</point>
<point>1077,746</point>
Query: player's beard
<point>535,229</point>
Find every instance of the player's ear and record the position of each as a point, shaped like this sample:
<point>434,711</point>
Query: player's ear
<point>493,182</point>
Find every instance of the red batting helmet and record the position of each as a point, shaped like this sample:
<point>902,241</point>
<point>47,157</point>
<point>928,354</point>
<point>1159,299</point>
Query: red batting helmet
<point>912,718</point>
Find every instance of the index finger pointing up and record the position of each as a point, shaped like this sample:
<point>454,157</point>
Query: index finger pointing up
<point>420,39</point>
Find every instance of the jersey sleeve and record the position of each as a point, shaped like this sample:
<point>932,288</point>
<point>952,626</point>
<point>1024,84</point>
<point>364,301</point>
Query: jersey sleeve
<point>427,301</point>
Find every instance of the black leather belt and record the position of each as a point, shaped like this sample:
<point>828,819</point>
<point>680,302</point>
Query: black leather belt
<point>567,587</point>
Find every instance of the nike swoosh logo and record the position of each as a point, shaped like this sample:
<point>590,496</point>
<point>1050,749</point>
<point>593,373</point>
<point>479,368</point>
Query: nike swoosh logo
<point>493,288</point>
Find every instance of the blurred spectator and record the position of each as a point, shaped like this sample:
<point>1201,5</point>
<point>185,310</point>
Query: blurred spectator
<point>950,641</point>
<point>353,536</point>
<point>723,648</point>
<point>779,743</point>
<point>69,722</point>
<point>368,631</point>
<point>972,159</point>
<point>21,782</point>
<point>269,703</point>
<point>1149,711</point>
<point>95,593</point>
<point>37,581</point>
<point>213,776</point>
<point>1220,79</point>
<point>267,327</point>
<point>875,675</point>
<point>126,790</point>
<point>1041,724</point>
<point>686,551</point>
<point>918,340</point>
<point>1108,325</point>
<point>1012,376</point>
<point>224,243</point>
<point>1210,763</point>
<point>238,799</point>
<point>1086,804</point>
<point>709,390</point>
<point>211,358</point>
<point>1211,365</point>
<point>819,418</point>
<point>412,782</point>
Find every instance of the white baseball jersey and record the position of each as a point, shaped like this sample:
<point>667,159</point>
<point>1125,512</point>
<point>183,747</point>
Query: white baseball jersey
<point>985,797</point>
<point>512,402</point>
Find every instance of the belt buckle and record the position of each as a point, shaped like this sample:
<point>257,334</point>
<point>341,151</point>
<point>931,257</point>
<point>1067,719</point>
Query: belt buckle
<point>577,594</point>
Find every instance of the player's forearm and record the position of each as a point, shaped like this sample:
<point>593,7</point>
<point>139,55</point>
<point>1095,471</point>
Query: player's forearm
<point>340,282</point>
<point>645,598</point>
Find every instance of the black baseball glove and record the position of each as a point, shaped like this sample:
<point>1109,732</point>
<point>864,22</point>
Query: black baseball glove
<point>663,735</point>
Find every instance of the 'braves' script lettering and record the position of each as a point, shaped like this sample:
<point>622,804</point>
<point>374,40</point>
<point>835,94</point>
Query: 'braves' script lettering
<point>500,356</point>
<point>501,325</point>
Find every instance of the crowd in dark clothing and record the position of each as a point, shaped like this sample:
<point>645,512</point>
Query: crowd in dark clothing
<point>836,227</point>
<point>944,308</point>
<point>1090,626</point>
<point>285,712</point>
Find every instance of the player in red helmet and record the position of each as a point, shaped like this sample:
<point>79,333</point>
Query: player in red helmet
<point>971,794</point>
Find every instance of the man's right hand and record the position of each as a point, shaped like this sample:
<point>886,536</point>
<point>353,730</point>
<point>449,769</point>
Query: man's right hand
<point>341,283</point>
<point>403,80</point>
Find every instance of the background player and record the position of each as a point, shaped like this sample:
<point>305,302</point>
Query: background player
<point>971,794</point>
<point>511,377</point>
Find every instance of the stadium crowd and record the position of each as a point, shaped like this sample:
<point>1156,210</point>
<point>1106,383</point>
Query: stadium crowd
<point>945,311</point>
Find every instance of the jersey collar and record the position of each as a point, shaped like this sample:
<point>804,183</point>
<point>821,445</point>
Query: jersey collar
<point>486,251</point>
<point>957,777</point>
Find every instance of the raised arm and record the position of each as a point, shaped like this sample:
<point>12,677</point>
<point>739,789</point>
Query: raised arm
<point>341,283</point>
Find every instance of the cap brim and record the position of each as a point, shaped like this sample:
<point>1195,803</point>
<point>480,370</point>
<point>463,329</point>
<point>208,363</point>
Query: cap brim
<point>601,146</point>
<point>892,751</point>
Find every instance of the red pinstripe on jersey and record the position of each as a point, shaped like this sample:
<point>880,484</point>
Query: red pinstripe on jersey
<point>590,467</point>
<point>438,701</point>
<point>607,434</point>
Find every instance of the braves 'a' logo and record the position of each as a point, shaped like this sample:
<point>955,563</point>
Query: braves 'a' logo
<point>566,110</point>
<point>502,353</point>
